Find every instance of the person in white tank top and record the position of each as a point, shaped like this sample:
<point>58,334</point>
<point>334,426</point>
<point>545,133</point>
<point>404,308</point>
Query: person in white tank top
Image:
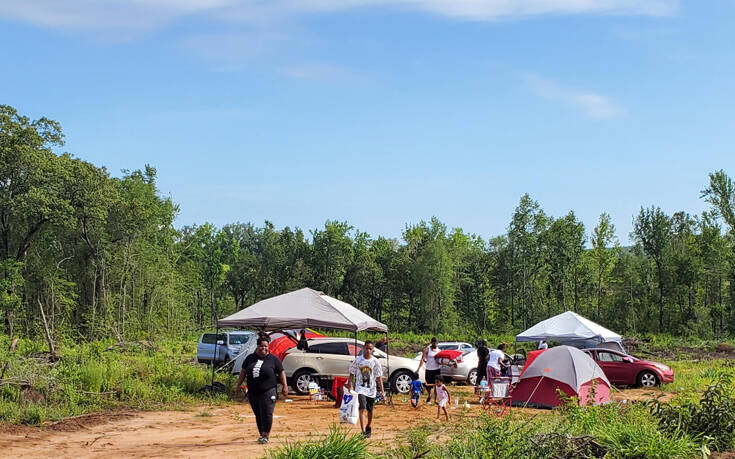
<point>433,369</point>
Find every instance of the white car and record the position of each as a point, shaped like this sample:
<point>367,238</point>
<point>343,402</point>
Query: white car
<point>333,356</point>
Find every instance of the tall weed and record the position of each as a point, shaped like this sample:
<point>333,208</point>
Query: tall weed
<point>336,445</point>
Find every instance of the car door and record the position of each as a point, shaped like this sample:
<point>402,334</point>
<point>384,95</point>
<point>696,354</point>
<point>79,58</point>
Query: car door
<point>332,358</point>
<point>615,368</point>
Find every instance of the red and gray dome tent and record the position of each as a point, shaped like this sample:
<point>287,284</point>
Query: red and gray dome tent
<point>562,368</point>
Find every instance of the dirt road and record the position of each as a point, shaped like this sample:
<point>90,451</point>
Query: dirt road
<point>205,431</point>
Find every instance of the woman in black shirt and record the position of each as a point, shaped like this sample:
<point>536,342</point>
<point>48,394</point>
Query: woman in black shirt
<point>263,371</point>
<point>482,357</point>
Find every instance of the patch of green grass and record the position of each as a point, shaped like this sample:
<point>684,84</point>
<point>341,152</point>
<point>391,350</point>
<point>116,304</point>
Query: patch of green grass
<point>99,376</point>
<point>337,444</point>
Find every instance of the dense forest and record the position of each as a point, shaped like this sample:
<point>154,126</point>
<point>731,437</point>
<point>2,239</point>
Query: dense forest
<point>86,255</point>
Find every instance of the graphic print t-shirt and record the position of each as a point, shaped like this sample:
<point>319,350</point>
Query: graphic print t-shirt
<point>262,372</point>
<point>366,371</point>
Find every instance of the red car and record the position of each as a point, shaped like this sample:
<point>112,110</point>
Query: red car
<point>626,370</point>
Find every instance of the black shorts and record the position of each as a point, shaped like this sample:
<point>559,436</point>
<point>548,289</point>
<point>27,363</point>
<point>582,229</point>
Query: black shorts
<point>365,402</point>
<point>431,376</point>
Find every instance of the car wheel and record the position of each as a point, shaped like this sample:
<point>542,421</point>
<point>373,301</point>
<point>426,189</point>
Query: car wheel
<point>472,378</point>
<point>300,381</point>
<point>647,379</point>
<point>401,381</point>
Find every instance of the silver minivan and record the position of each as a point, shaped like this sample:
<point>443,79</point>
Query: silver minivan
<point>228,345</point>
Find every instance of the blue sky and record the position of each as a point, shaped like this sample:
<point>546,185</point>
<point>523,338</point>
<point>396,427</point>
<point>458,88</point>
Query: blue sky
<point>387,112</point>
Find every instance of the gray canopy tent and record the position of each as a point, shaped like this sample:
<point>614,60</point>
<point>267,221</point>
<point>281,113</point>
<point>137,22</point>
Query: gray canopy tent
<point>301,309</point>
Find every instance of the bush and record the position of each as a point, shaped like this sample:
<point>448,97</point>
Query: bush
<point>92,376</point>
<point>711,421</point>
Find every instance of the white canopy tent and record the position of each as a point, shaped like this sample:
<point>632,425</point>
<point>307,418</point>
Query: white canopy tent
<point>572,329</point>
<point>300,309</point>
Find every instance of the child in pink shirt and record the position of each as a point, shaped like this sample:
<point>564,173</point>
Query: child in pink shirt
<point>442,397</point>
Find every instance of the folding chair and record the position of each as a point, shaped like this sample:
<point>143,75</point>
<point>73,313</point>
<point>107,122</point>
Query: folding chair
<point>497,400</point>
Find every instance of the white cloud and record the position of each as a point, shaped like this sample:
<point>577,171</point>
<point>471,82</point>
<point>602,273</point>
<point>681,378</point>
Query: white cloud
<point>592,105</point>
<point>131,17</point>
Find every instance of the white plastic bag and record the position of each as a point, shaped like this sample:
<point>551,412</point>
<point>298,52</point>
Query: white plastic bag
<point>349,410</point>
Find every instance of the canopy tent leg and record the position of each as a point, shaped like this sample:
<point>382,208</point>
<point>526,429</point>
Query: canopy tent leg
<point>387,360</point>
<point>216,346</point>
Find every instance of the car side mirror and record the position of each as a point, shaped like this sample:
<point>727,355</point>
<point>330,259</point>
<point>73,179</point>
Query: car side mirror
<point>219,341</point>
<point>627,360</point>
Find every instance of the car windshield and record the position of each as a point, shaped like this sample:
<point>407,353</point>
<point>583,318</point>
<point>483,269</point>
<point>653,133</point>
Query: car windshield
<point>239,339</point>
<point>445,347</point>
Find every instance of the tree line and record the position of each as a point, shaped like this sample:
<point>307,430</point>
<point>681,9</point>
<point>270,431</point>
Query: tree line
<point>86,255</point>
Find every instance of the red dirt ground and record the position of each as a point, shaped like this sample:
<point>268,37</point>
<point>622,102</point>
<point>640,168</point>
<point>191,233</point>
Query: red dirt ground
<point>217,431</point>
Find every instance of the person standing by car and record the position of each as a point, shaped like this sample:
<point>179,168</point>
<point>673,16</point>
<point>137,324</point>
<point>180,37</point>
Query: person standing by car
<point>433,369</point>
<point>483,353</point>
<point>365,370</point>
<point>495,362</point>
<point>302,345</point>
<point>382,344</point>
<point>263,371</point>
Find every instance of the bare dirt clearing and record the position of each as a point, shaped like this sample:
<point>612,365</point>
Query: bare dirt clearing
<point>217,431</point>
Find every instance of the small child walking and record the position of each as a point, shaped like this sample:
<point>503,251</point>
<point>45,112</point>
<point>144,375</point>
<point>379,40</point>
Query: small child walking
<point>442,397</point>
<point>416,386</point>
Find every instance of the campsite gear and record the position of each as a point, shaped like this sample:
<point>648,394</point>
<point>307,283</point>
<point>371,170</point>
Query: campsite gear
<point>349,411</point>
<point>448,357</point>
<point>562,368</point>
<point>531,357</point>
<point>571,329</point>
<point>313,391</point>
<point>498,397</point>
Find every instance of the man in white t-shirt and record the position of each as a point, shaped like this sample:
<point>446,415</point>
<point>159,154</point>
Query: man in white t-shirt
<point>365,372</point>
<point>495,361</point>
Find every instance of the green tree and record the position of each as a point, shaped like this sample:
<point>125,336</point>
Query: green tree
<point>652,229</point>
<point>524,235</point>
<point>332,255</point>
<point>605,251</point>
